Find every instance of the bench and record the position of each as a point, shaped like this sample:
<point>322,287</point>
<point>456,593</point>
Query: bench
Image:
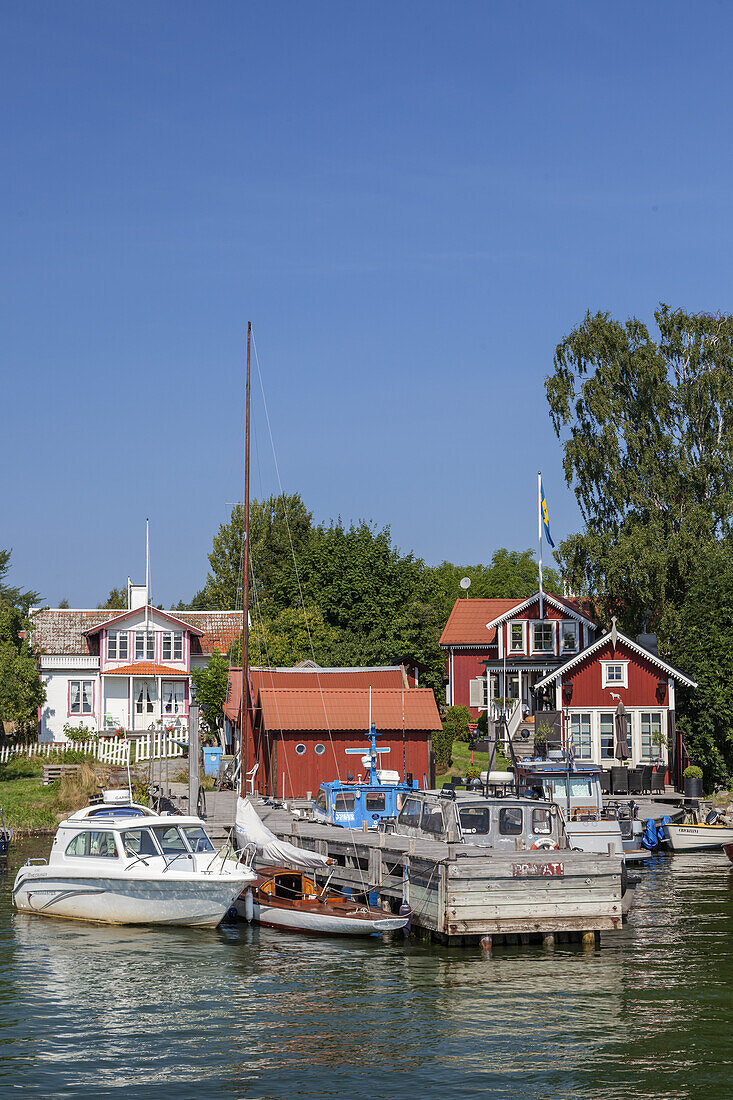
<point>52,772</point>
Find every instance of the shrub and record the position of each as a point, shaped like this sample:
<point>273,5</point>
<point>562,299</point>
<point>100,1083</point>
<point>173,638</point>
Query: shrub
<point>442,745</point>
<point>457,721</point>
<point>473,773</point>
<point>692,772</point>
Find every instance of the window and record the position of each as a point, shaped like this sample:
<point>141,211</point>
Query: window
<point>145,698</point>
<point>569,637</point>
<point>579,788</point>
<point>475,819</point>
<point>300,748</point>
<point>93,843</point>
<point>608,731</point>
<point>516,637</point>
<point>375,802</point>
<point>138,842</point>
<point>410,814</point>
<point>615,673</point>
<point>510,820</point>
<point>144,645</point>
<point>81,696</point>
<point>580,736</point>
<point>543,638</point>
<point>541,822</point>
<point>432,819</point>
<point>117,645</point>
<point>319,749</point>
<point>197,839</point>
<point>344,800</point>
<point>651,733</point>
<point>170,840</point>
<point>172,646</point>
<point>172,691</point>
<point>322,801</point>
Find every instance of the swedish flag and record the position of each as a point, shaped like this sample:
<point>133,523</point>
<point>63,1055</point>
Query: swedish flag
<point>545,516</point>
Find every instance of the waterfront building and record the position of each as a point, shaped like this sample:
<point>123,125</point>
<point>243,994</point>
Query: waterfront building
<point>129,669</point>
<point>304,719</point>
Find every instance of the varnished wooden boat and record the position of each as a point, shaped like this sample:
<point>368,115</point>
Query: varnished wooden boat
<point>287,898</point>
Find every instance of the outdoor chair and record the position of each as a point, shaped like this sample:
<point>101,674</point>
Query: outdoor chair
<point>646,779</point>
<point>605,782</point>
<point>635,778</point>
<point>658,779</point>
<point>619,780</point>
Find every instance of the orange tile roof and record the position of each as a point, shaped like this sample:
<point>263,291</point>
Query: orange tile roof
<point>302,678</point>
<point>145,668</point>
<point>219,629</point>
<point>348,709</point>
<point>467,621</point>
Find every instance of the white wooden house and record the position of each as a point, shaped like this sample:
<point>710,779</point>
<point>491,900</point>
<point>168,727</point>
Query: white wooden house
<point>131,669</point>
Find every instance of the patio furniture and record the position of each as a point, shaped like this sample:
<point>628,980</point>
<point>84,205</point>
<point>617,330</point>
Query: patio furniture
<point>658,779</point>
<point>605,782</point>
<point>619,780</point>
<point>635,776</point>
<point>646,779</point>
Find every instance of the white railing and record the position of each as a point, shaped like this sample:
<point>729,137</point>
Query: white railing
<point>114,751</point>
<point>161,746</point>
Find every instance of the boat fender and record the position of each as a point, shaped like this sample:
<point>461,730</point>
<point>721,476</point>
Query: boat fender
<point>406,911</point>
<point>544,846</point>
<point>649,837</point>
<point>624,877</point>
<point>249,906</point>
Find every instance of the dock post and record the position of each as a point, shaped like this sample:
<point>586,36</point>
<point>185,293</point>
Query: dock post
<point>486,944</point>
<point>548,941</point>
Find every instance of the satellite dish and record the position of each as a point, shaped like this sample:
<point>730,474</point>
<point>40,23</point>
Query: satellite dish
<point>465,582</point>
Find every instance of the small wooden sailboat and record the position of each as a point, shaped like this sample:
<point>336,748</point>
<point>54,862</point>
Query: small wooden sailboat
<point>284,897</point>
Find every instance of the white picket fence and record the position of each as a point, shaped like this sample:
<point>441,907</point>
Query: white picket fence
<point>114,751</point>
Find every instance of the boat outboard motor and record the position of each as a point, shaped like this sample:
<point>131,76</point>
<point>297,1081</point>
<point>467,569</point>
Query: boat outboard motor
<point>660,831</point>
<point>712,818</point>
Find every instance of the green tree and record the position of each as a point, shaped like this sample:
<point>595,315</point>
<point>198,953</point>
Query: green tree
<point>211,683</point>
<point>116,601</point>
<point>21,598</point>
<point>21,690</point>
<point>64,604</point>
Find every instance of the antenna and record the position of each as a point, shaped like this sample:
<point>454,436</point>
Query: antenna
<point>465,584</point>
<point>147,578</point>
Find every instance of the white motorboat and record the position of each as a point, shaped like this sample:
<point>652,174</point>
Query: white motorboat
<point>697,836</point>
<point>118,862</point>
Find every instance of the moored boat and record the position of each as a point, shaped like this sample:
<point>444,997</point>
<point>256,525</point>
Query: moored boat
<point>117,862</point>
<point>695,836</point>
<point>284,897</point>
<point>6,836</point>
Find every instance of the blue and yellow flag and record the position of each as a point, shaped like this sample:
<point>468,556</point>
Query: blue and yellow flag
<point>545,516</point>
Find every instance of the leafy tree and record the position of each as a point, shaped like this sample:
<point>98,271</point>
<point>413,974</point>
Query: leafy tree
<point>64,604</point>
<point>116,601</point>
<point>291,635</point>
<point>21,690</point>
<point>21,598</point>
<point>210,683</point>
<point>456,721</point>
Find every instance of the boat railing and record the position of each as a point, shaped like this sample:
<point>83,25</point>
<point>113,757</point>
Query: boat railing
<point>36,859</point>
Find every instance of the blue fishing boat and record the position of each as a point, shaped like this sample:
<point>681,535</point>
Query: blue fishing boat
<point>366,801</point>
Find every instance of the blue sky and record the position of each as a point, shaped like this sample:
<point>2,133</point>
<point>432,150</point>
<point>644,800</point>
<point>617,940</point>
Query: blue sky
<point>413,203</point>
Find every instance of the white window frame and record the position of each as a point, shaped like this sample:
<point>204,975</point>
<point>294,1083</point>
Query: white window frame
<point>149,650</point>
<point>523,631</point>
<point>654,750</point>
<point>574,623</point>
<point>173,695</point>
<point>85,687</point>
<point>543,622</point>
<point>173,640</point>
<point>576,716</point>
<point>612,715</point>
<point>119,638</point>
<point>623,682</point>
<point>477,693</point>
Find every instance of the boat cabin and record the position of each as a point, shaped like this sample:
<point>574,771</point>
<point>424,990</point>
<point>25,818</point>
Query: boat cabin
<point>512,823</point>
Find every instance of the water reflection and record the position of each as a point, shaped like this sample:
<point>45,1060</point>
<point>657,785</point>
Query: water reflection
<point>250,1012</point>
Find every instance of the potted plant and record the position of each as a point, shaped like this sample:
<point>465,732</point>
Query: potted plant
<point>692,779</point>
<point>542,734</point>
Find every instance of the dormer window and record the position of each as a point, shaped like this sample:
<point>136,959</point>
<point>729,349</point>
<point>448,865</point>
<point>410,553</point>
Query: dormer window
<point>117,645</point>
<point>172,646</point>
<point>516,637</point>
<point>144,645</point>
<point>569,637</point>
<point>543,638</point>
<point>615,674</point>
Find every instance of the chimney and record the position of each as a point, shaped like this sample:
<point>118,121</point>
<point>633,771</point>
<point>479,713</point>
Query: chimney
<point>137,596</point>
<point>648,641</point>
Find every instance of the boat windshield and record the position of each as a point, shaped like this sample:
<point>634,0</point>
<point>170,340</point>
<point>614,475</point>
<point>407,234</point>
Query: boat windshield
<point>139,842</point>
<point>344,801</point>
<point>170,840</point>
<point>580,787</point>
<point>475,819</point>
<point>197,838</point>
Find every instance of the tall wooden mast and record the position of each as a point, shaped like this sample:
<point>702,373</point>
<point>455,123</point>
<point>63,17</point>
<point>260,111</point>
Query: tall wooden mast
<point>244,703</point>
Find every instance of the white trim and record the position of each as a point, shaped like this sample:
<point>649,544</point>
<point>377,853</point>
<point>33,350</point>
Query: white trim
<point>548,599</point>
<point>578,629</point>
<point>623,682</point>
<point>546,652</point>
<point>522,623</point>
<point>633,646</point>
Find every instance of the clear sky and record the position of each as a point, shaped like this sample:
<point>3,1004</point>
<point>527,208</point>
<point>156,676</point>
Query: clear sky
<point>412,201</point>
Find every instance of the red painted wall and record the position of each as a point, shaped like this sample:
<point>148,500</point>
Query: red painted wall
<point>586,679</point>
<point>307,772</point>
<point>467,665</point>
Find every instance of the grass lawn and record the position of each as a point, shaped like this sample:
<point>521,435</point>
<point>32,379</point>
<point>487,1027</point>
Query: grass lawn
<point>26,805</point>
<point>461,755</point>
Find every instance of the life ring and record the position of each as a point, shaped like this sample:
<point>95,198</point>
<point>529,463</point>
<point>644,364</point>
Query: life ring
<point>544,846</point>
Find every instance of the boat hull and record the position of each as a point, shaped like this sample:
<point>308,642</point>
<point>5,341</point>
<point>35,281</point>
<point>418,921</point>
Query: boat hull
<point>325,923</point>
<point>181,900</point>
<point>691,838</point>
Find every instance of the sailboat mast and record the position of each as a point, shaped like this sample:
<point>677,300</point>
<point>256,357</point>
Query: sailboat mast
<point>244,705</point>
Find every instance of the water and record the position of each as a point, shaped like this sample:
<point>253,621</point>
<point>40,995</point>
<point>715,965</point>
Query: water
<point>247,1012</point>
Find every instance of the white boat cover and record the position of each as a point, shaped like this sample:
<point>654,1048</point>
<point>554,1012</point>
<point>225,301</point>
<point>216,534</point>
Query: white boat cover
<point>252,830</point>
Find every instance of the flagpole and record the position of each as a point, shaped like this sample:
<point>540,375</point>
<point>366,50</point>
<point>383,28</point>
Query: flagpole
<point>539,538</point>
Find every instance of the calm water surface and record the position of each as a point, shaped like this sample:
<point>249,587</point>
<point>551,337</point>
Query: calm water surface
<point>243,1012</point>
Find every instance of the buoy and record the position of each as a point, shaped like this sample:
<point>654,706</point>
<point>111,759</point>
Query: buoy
<point>249,906</point>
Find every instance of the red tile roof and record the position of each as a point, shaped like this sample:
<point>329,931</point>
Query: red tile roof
<point>302,678</point>
<point>145,668</point>
<point>219,629</point>
<point>348,709</point>
<point>467,621</point>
